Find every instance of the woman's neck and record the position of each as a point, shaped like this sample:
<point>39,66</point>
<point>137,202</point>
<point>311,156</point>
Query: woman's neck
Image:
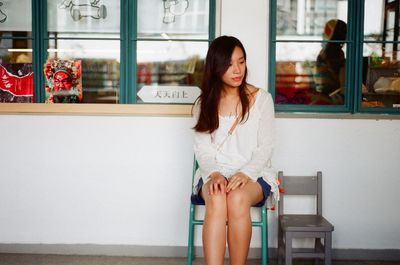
<point>228,92</point>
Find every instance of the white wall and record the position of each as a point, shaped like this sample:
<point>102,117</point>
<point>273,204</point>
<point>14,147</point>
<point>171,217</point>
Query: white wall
<point>110,180</point>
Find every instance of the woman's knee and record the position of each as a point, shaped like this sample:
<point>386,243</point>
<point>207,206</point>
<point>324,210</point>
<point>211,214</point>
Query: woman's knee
<point>216,204</point>
<point>238,203</point>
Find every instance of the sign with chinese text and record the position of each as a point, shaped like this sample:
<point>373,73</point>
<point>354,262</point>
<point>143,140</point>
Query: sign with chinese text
<point>169,94</point>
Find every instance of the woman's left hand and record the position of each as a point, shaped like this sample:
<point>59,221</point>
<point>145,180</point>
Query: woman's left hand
<point>238,180</point>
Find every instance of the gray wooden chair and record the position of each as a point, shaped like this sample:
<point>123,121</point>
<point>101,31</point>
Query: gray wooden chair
<point>303,225</point>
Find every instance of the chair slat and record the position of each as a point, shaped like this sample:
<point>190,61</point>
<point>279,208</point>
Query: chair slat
<point>300,185</point>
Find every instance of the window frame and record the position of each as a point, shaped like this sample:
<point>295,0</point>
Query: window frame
<point>128,61</point>
<point>354,56</point>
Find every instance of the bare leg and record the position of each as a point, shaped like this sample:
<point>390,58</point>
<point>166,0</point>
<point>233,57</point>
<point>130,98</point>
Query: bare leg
<point>239,202</point>
<point>214,228</point>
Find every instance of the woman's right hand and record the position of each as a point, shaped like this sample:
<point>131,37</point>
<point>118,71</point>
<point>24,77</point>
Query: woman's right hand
<point>218,184</point>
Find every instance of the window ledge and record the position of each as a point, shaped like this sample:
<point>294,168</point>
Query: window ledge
<point>96,109</point>
<point>355,116</point>
<point>157,110</point>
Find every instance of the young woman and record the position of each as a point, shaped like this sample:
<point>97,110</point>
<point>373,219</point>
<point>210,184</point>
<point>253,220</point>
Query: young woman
<point>233,146</point>
<point>330,65</point>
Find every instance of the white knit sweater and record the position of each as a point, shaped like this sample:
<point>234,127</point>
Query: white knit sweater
<point>248,149</point>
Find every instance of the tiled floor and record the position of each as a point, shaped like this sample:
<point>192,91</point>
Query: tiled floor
<point>28,259</point>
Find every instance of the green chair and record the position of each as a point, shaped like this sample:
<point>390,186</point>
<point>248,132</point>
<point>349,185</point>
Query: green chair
<point>263,223</point>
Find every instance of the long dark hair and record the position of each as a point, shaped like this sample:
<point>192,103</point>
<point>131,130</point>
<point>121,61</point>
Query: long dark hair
<point>332,53</point>
<point>217,63</point>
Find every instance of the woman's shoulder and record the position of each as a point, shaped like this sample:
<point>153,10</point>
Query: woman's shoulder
<point>252,90</point>
<point>259,93</point>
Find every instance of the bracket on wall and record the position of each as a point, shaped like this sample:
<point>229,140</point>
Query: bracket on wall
<point>79,11</point>
<point>173,8</point>
<point>3,16</point>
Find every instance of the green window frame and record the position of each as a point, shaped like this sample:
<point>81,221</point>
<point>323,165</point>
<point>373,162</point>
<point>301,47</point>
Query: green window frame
<point>128,47</point>
<point>354,64</point>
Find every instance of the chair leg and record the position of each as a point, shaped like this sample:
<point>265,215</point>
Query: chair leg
<point>318,247</point>
<point>328,248</point>
<point>264,236</point>
<point>190,247</point>
<point>280,246</point>
<point>288,248</point>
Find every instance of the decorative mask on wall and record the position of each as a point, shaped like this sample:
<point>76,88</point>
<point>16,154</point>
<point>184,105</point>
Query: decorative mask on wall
<point>63,81</point>
<point>92,9</point>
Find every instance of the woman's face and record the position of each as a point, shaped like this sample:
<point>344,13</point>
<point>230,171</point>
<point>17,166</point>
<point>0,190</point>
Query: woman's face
<point>62,80</point>
<point>233,77</point>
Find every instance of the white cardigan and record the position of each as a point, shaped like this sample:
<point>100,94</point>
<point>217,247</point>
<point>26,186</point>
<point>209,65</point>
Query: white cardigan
<point>248,149</point>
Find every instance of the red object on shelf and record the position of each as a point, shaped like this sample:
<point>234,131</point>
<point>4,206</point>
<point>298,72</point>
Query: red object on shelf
<point>16,85</point>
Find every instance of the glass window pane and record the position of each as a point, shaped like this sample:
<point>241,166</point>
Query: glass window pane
<point>305,19</point>
<point>172,19</point>
<point>381,77</point>
<point>309,74</point>
<point>93,68</point>
<point>16,71</point>
<point>380,20</point>
<point>77,17</point>
<point>11,18</point>
<point>169,72</point>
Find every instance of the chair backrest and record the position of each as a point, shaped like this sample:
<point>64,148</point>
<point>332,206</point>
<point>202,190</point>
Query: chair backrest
<point>301,185</point>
